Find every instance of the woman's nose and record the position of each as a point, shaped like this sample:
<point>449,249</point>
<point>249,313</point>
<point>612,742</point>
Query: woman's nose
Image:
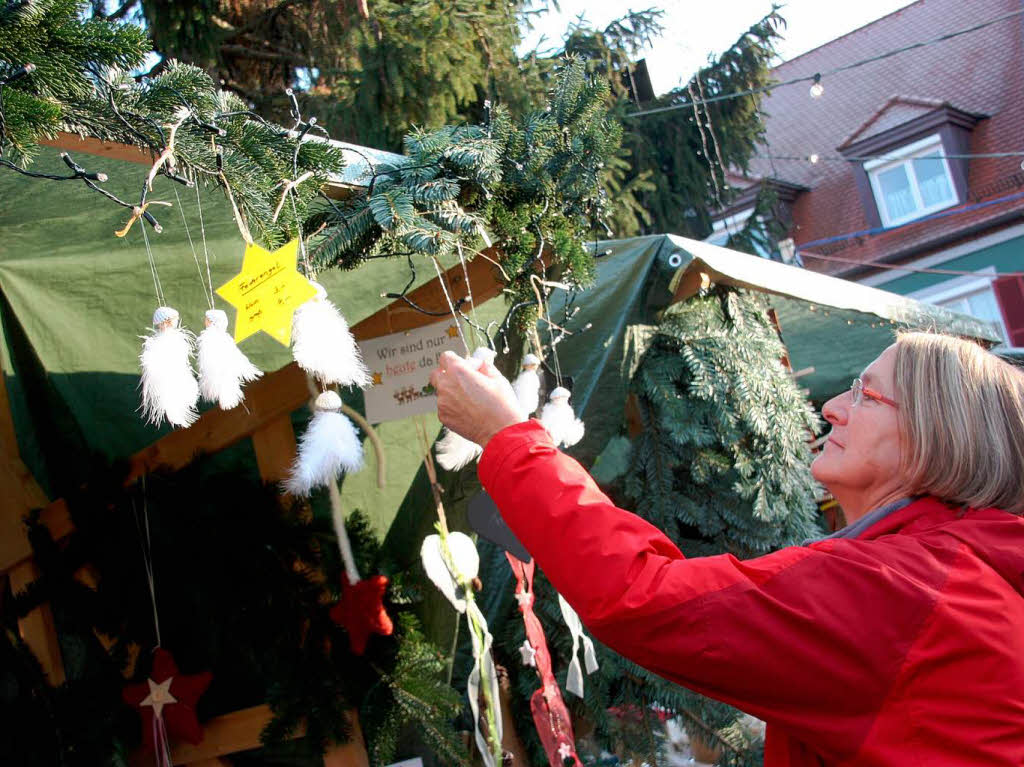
<point>834,411</point>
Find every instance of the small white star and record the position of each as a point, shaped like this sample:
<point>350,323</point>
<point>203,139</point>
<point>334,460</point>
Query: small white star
<point>159,695</point>
<point>528,654</point>
<point>524,598</point>
<point>564,751</point>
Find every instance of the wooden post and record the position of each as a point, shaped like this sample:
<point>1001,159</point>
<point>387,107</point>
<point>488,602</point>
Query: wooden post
<point>275,448</point>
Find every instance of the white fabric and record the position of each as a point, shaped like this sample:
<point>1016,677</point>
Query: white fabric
<point>223,368</point>
<point>169,387</point>
<point>323,346</point>
<point>562,424</point>
<point>527,389</point>
<point>330,446</point>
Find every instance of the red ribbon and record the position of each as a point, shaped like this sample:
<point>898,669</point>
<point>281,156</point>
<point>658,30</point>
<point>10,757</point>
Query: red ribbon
<point>550,715</point>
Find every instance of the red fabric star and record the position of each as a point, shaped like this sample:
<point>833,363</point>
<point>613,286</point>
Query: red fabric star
<point>180,715</point>
<point>360,611</point>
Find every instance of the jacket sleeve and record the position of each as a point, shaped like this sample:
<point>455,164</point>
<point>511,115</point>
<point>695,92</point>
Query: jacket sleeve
<point>810,638</point>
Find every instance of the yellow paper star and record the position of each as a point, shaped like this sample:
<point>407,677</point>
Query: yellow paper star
<point>453,331</point>
<point>267,291</point>
<point>378,378</point>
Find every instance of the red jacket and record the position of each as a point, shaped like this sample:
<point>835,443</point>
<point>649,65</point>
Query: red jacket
<point>902,647</point>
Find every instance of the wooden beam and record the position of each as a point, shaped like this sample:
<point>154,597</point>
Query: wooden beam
<point>240,731</point>
<point>222,735</point>
<point>37,629</point>
<point>275,448</point>
<point>73,143</point>
<point>271,397</point>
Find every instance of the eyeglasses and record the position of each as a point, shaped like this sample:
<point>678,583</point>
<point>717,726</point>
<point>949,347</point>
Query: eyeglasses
<point>859,391</point>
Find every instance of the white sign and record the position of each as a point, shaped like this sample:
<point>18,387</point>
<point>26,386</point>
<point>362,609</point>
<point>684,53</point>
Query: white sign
<point>401,364</point>
<point>415,762</point>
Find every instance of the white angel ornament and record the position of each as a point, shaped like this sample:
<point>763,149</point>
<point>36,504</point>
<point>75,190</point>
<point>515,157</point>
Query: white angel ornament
<point>223,368</point>
<point>527,385</point>
<point>559,419</point>
<point>169,387</point>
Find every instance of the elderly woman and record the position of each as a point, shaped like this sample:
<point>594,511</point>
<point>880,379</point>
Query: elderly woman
<point>898,640</point>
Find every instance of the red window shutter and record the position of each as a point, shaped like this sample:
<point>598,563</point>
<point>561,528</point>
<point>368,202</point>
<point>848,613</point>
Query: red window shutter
<point>1009,292</point>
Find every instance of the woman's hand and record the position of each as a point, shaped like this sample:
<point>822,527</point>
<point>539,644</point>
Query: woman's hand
<point>473,399</point>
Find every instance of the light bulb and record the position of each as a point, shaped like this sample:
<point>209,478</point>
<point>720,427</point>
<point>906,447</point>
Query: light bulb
<point>817,89</point>
<point>814,159</point>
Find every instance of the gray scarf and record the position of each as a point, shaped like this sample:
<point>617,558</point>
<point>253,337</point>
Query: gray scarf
<point>862,524</point>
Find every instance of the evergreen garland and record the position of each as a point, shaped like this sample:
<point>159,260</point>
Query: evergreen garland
<point>533,184</point>
<point>243,589</point>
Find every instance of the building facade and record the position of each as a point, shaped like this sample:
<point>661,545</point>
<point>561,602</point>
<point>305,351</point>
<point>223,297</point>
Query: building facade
<point>905,173</point>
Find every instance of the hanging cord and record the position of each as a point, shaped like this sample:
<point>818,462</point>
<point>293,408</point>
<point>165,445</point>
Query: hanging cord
<point>451,306</point>
<point>475,324</point>
<point>206,252</point>
<point>207,289</point>
<point>310,274</point>
<point>152,268</point>
<point>535,283</point>
<point>147,554</point>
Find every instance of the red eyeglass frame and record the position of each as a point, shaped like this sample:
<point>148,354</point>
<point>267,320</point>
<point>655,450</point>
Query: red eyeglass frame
<point>867,391</point>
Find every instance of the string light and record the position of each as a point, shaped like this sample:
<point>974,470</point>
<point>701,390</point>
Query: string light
<point>817,89</point>
<point>814,159</point>
<point>854,65</point>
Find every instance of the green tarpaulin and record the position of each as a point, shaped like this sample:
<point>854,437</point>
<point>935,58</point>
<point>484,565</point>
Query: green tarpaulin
<point>74,300</point>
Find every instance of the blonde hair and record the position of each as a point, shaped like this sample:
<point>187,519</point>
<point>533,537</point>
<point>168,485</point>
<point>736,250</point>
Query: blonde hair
<point>961,418</point>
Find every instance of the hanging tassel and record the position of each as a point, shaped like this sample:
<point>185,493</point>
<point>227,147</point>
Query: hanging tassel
<point>223,368</point>
<point>557,417</point>
<point>169,388</point>
<point>574,676</point>
<point>454,451</point>
<point>323,345</point>
<point>330,447</point>
<point>527,385</point>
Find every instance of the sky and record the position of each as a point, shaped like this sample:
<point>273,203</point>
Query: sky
<point>694,30</point>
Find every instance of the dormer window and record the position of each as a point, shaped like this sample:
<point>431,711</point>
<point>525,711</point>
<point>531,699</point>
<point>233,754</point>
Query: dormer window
<point>912,182</point>
<point>921,164</point>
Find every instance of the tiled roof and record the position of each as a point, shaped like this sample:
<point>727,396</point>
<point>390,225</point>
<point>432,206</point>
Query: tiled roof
<point>981,73</point>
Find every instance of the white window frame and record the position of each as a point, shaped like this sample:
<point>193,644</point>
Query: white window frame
<point>904,156</point>
<point>961,287</point>
<point>723,228</point>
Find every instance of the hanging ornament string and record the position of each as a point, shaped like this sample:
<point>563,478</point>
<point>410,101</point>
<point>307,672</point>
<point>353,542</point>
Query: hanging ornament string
<point>475,324</point>
<point>153,270</point>
<point>147,554</point>
<point>202,233</point>
<point>451,306</point>
<point>536,283</point>
<point>207,286</point>
<point>161,743</point>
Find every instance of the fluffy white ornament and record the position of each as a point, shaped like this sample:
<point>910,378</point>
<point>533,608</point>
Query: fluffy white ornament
<point>330,446</point>
<point>454,451</point>
<point>169,388</point>
<point>527,385</point>
<point>557,417</point>
<point>323,345</point>
<point>464,559</point>
<point>223,368</point>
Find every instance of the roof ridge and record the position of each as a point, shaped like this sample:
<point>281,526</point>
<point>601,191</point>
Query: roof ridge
<point>845,34</point>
